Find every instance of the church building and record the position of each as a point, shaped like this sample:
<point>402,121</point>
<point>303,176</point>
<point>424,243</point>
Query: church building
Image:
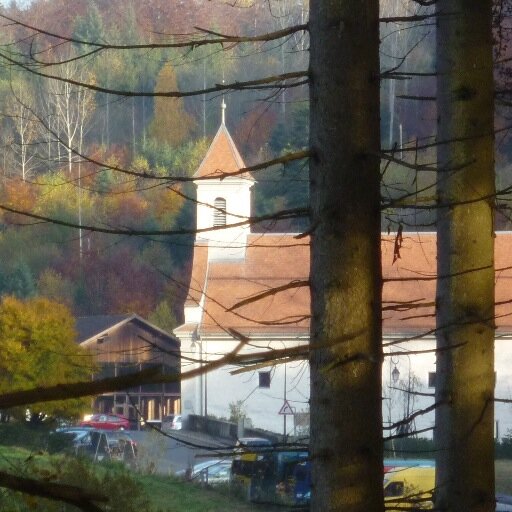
<point>231,265</point>
<point>248,294</point>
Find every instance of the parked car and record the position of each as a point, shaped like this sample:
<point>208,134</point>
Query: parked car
<point>172,422</point>
<point>245,444</point>
<point>151,424</point>
<point>67,439</point>
<point>90,442</point>
<point>106,422</point>
<point>209,472</point>
<point>191,471</point>
<point>503,503</point>
<point>213,475</point>
<point>107,445</point>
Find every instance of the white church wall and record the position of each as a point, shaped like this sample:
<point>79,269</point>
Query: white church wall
<point>217,389</point>
<point>413,374</point>
<point>220,388</point>
<point>503,368</point>
<point>417,366</point>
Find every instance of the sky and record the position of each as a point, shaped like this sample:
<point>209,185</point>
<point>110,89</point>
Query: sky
<point>21,3</point>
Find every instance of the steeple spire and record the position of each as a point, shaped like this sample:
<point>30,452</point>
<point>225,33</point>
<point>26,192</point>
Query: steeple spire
<point>223,104</point>
<point>223,107</point>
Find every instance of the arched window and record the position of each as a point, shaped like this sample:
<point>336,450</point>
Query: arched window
<point>219,212</point>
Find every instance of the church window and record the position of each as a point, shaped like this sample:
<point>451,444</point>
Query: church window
<point>264,379</point>
<point>219,212</point>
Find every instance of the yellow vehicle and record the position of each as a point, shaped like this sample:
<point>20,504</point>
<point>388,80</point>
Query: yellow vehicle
<point>409,488</point>
<point>249,454</point>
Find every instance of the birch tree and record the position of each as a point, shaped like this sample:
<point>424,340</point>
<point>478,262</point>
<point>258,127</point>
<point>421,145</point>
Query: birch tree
<point>73,107</point>
<point>26,127</point>
<point>465,290</point>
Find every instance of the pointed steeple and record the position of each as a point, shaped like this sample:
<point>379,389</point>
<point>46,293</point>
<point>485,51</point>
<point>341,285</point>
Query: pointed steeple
<point>225,199</point>
<point>223,107</point>
<point>222,158</point>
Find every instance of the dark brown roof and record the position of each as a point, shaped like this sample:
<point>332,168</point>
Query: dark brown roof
<point>88,327</point>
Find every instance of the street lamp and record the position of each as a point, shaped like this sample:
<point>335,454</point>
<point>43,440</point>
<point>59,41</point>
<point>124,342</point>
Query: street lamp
<point>285,401</point>
<point>404,388</point>
<point>203,377</point>
<point>395,374</point>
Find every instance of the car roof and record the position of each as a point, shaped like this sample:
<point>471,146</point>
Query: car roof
<point>78,428</point>
<point>254,441</point>
<point>96,414</point>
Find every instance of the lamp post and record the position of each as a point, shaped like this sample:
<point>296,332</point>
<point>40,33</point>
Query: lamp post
<point>284,415</point>
<point>395,378</point>
<point>395,374</point>
<point>203,378</point>
<point>409,391</point>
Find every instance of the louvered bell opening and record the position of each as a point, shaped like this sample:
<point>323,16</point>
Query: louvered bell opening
<point>219,212</point>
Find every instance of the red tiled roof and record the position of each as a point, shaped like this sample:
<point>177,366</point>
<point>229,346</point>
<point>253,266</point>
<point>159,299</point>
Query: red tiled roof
<point>418,261</point>
<point>222,157</point>
<point>271,261</point>
<point>198,278</point>
<point>417,264</point>
<point>274,260</point>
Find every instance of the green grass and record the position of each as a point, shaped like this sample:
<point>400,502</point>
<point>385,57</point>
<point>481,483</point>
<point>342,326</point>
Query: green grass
<point>504,476</point>
<point>165,493</point>
<point>168,494</point>
<point>171,495</point>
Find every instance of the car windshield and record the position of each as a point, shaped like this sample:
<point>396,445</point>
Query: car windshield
<point>221,468</point>
<point>253,442</point>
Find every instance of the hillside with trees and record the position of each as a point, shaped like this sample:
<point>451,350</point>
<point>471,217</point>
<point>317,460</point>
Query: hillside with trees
<point>365,155</point>
<point>61,144</point>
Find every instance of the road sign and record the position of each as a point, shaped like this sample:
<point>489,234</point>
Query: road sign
<point>286,409</point>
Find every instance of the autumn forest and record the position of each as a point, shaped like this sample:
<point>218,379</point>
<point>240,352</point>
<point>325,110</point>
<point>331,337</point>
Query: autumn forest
<point>61,144</point>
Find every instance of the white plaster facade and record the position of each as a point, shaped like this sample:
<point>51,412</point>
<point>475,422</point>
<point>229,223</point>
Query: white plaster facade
<point>230,242</point>
<point>414,370</point>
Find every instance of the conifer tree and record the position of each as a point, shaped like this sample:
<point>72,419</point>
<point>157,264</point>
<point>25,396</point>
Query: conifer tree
<point>465,289</point>
<point>346,417</point>
<point>171,123</point>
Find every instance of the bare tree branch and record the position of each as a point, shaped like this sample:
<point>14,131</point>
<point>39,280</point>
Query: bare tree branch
<point>190,42</point>
<point>283,214</point>
<point>280,81</point>
<point>60,492</point>
<point>268,293</point>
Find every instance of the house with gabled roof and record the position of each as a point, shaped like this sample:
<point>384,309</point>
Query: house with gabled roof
<point>123,344</point>
<point>248,293</point>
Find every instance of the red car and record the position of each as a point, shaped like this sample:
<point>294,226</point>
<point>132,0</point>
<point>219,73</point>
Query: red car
<point>107,422</point>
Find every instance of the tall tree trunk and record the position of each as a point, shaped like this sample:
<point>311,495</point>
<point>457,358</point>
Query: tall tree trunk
<point>346,429</point>
<point>465,290</point>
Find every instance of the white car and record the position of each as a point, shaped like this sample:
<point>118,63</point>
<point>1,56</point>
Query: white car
<point>209,472</point>
<point>503,503</point>
<point>172,422</point>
